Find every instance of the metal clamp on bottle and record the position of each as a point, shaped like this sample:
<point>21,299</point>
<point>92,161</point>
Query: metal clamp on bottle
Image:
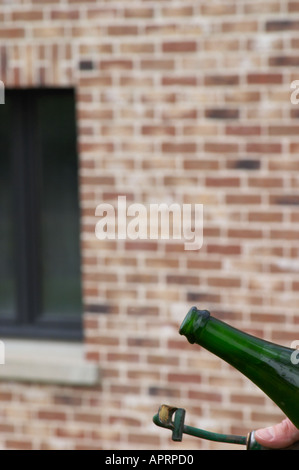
<point>172,418</point>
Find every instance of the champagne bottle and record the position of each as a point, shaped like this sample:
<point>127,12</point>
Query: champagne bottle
<point>266,364</point>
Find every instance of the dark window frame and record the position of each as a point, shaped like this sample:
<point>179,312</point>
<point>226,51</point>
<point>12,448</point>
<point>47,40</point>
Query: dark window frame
<point>26,168</point>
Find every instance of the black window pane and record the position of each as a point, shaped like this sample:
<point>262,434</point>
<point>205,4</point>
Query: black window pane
<point>7,261</point>
<point>40,281</point>
<point>60,258</point>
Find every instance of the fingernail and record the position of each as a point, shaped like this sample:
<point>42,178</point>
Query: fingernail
<point>265,434</point>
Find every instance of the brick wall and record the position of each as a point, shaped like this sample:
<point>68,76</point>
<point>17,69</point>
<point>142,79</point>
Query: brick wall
<point>177,101</point>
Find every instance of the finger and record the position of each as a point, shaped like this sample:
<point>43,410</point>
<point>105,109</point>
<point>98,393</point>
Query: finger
<point>278,436</point>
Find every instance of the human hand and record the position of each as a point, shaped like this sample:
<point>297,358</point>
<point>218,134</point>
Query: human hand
<point>278,436</point>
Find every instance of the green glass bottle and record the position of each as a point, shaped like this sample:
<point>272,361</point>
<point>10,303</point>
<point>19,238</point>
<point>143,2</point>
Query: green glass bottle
<point>266,364</point>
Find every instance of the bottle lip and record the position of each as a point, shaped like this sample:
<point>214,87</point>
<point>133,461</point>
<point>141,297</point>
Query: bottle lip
<point>193,322</point>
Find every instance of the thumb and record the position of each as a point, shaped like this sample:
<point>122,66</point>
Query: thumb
<point>278,436</point>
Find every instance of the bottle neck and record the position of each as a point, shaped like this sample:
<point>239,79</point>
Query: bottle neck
<point>232,345</point>
<point>194,323</point>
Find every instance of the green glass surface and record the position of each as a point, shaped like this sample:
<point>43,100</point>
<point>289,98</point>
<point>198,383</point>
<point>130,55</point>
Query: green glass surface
<point>266,364</point>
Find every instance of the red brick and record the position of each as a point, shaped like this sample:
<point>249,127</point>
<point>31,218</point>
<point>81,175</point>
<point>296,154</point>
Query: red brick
<point>66,14</point>
<point>258,8</point>
<point>51,415</point>
<point>144,310</point>
<point>136,81</point>
<point>224,282</point>
<point>284,61</point>
<point>201,164</point>
<point>224,113</point>
<point>144,439</point>
<point>99,81</point>
<point>243,199</point>
<point>184,378</point>
<point>141,245</point>
<point>158,130</point>
<point>30,15</point>
<point>247,398</point>
<point>19,444</point>
<point>180,180</point>
<point>284,199</point>
<point>49,32</point>
<point>180,81</point>
<point>177,11</point>
<point>202,396</point>
<point>92,417</point>
<point>282,25</point>
<point>284,234</point>
<point>223,249</point>
<point>223,182</point>
<point>99,13</point>
<point>6,428</point>
<point>201,129</point>
<point>204,264</point>
<point>137,48</point>
<point>141,278</point>
<point>186,147</point>
<point>221,147</point>
<point>182,279</point>
<point>211,44</point>
<point>6,396</point>
<point>139,12</point>
<point>294,147</point>
<point>264,78</point>
<point>245,233</point>
<point>219,80</point>
<point>93,114</point>
<point>293,7</point>
<point>218,9</point>
<point>266,182</point>
<point>295,43</point>
<point>264,148</point>
<point>157,64</point>
<point>116,65</point>
<point>116,131</point>
<point>239,27</point>
<point>244,164</point>
<point>243,130</point>
<point>179,46</point>
<point>12,33</point>
<point>180,113</point>
<point>265,217</point>
<point>122,30</point>
<point>282,165</point>
<point>163,29</point>
<point>284,130</point>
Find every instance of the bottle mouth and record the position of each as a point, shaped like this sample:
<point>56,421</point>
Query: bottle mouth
<point>194,321</point>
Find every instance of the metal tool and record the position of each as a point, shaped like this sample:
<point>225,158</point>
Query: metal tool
<point>173,418</point>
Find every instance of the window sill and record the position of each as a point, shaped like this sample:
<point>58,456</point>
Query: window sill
<point>52,362</point>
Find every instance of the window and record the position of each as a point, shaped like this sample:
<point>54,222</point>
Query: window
<point>40,288</point>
